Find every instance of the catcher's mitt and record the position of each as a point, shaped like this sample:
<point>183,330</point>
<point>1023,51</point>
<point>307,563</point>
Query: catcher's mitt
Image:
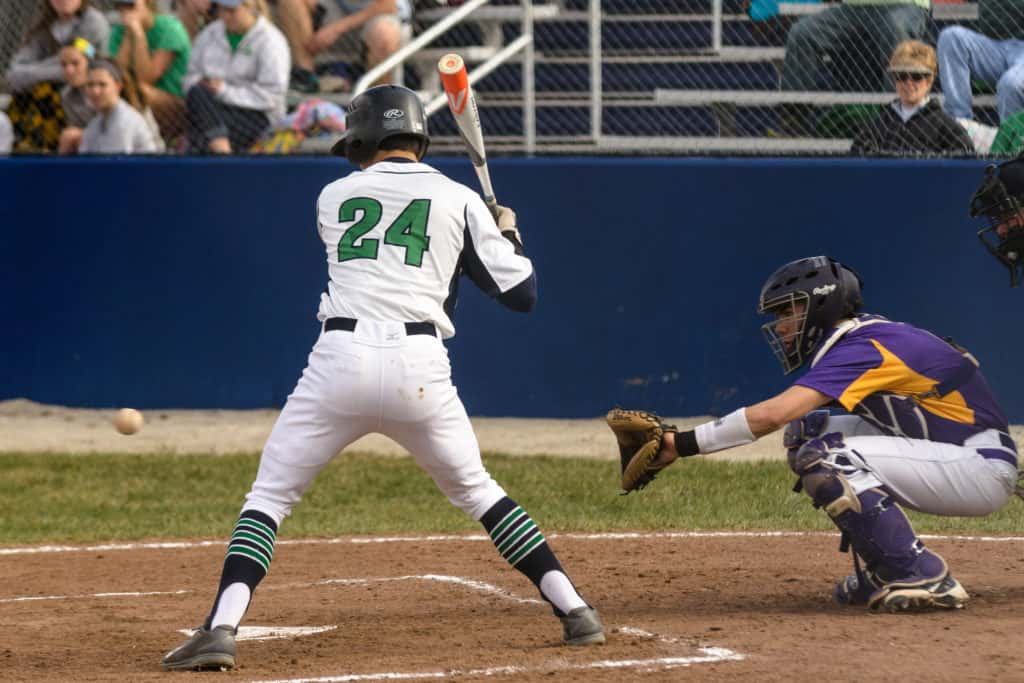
<point>639,436</point>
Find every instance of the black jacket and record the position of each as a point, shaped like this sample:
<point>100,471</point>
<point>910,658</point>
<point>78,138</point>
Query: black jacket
<point>929,131</point>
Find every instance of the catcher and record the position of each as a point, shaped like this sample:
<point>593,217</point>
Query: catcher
<point>923,431</point>
<point>1000,200</point>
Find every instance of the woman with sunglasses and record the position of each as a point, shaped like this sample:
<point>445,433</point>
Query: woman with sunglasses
<point>914,124</point>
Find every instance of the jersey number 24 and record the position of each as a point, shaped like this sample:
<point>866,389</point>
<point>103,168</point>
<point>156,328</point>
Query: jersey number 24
<point>408,231</point>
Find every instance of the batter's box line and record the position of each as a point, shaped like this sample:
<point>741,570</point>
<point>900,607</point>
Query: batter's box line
<point>709,655</point>
<point>367,540</point>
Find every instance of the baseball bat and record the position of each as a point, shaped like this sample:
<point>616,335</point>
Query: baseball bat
<point>462,104</point>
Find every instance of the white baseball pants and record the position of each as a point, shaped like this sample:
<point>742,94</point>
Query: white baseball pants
<point>936,478</point>
<point>373,379</point>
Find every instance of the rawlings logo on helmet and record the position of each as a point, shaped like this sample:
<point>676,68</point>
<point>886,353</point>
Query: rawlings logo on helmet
<point>826,289</point>
<point>394,114</point>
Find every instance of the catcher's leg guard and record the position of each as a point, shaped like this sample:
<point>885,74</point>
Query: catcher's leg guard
<point>799,431</point>
<point>899,573</point>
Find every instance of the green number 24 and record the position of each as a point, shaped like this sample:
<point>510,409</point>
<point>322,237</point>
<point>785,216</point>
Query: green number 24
<point>409,230</point>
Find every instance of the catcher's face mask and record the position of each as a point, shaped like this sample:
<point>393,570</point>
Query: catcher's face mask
<point>785,334</point>
<point>1004,212</point>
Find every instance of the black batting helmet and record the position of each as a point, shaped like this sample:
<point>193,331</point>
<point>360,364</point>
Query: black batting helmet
<point>378,114</point>
<point>999,198</point>
<point>828,292</point>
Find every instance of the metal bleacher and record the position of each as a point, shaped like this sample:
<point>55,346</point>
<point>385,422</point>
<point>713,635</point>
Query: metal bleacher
<point>671,77</point>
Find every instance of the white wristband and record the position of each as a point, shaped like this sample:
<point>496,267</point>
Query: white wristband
<point>725,432</point>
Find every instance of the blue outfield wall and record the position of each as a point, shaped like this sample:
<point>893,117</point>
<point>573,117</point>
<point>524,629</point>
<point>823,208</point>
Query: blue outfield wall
<point>195,282</point>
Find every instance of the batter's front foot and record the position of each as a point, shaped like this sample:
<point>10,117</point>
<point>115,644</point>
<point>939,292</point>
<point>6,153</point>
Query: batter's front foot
<point>582,626</point>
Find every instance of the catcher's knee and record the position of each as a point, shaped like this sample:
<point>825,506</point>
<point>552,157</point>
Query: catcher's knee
<point>799,431</point>
<point>826,487</point>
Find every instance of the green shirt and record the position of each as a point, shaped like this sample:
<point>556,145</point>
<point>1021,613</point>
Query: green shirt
<point>234,39</point>
<point>167,33</point>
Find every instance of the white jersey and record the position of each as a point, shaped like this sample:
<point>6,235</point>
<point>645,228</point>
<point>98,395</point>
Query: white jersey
<point>398,235</point>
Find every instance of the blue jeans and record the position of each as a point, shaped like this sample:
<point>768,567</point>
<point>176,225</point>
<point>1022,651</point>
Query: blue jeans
<point>965,55</point>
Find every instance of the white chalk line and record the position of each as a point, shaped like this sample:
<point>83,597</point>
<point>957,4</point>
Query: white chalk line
<point>256,633</point>
<point>173,545</point>
<point>709,655</point>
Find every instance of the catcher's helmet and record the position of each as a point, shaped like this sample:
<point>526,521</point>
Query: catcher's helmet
<point>828,292</point>
<point>378,114</point>
<point>1000,199</point>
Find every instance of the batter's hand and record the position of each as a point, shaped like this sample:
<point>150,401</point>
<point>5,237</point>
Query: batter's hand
<point>505,218</point>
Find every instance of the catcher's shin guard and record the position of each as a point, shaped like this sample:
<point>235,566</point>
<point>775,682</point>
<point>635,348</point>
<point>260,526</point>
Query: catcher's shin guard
<point>899,573</point>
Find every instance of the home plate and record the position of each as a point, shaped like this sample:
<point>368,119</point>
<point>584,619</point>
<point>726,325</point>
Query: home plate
<point>271,632</point>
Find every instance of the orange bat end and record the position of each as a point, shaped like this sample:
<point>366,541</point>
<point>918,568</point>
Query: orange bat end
<point>455,81</point>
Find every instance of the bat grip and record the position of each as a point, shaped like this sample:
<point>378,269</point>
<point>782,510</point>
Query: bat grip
<point>492,205</point>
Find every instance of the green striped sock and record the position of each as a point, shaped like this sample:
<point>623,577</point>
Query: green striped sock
<point>516,536</point>
<point>253,539</point>
<point>250,550</point>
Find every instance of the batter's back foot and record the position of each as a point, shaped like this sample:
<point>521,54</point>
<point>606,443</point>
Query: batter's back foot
<point>204,650</point>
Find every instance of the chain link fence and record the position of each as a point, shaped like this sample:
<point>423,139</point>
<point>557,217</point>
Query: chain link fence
<point>663,77</point>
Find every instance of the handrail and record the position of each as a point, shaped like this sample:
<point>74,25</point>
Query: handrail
<point>529,86</point>
<point>374,74</point>
<point>482,70</point>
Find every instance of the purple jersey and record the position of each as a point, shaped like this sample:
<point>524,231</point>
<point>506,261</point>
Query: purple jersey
<point>889,374</point>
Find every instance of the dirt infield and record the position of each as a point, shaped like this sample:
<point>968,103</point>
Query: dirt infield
<point>677,608</point>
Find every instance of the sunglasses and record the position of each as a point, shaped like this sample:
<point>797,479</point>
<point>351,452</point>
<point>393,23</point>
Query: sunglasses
<point>908,76</point>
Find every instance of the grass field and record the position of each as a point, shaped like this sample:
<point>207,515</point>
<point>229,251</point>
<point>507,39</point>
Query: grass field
<point>46,498</point>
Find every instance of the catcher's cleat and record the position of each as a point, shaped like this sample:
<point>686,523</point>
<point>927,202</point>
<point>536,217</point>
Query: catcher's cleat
<point>582,626</point>
<point>946,593</point>
<point>204,650</point>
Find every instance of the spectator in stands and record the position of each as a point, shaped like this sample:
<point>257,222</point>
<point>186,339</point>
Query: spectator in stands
<point>846,47</point>
<point>155,49</point>
<point>237,78</point>
<point>914,124</point>
<point>118,127</point>
<point>994,56</point>
<point>34,73</point>
<point>74,63</point>
<point>6,134</point>
<point>194,15</point>
<point>373,28</point>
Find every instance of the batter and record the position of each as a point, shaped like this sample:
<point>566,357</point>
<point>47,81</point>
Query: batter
<point>397,235</point>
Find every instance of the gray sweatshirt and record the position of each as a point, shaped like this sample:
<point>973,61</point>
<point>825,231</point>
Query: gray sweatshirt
<point>122,131</point>
<point>37,60</point>
<point>255,75</point>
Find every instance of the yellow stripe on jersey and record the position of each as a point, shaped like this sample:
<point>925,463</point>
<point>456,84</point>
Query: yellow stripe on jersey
<point>894,376</point>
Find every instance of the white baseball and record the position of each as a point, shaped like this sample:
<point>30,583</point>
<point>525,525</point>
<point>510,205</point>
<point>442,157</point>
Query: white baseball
<point>128,420</point>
